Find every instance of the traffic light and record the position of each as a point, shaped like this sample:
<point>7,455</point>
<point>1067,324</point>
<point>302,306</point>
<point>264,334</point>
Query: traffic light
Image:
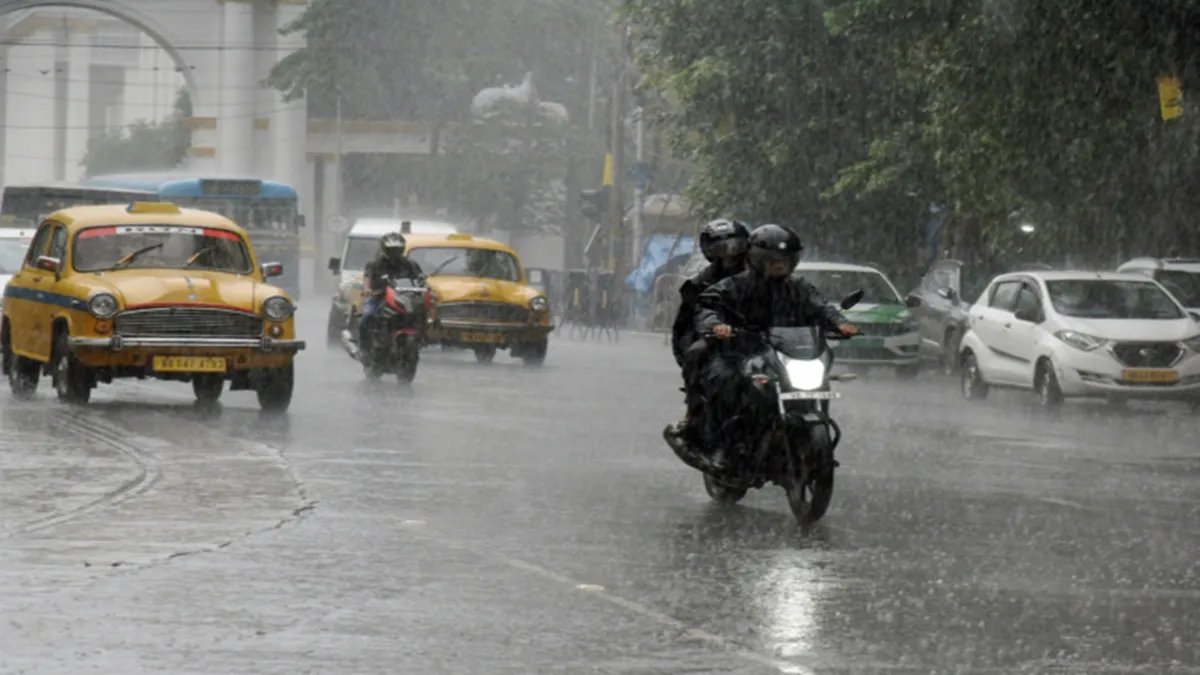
<point>594,203</point>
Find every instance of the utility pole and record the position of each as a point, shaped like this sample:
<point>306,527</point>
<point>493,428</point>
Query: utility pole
<point>616,198</point>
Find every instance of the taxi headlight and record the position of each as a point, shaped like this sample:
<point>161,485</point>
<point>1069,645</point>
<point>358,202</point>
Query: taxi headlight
<point>277,308</point>
<point>539,304</point>
<point>806,375</point>
<point>103,305</point>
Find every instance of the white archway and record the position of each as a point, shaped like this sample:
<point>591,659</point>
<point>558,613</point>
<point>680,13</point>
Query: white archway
<point>117,10</point>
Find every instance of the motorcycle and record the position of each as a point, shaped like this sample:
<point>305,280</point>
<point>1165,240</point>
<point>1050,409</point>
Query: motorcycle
<point>396,331</point>
<point>785,397</point>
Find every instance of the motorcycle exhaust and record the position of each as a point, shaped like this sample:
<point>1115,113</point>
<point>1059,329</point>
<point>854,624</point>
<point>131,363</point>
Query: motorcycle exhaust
<point>348,344</point>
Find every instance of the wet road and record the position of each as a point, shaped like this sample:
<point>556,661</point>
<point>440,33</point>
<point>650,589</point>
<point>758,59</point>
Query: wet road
<point>501,519</point>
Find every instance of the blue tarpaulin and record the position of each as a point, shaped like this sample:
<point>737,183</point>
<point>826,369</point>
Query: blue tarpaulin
<point>656,254</point>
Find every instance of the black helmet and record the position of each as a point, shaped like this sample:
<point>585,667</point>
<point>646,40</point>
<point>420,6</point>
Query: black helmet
<point>723,238</point>
<point>391,245</point>
<point>771,244</point>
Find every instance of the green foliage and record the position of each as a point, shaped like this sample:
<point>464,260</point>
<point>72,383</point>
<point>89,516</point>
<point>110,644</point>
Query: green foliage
<point>1049,109</point>
<point>143,145</point>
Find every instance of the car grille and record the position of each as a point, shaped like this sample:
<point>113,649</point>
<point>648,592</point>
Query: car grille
<point>882,329</point>
<point>1146,354</point>
<point>482,311</point>
<point>848,352</point>
<point>181,321</point>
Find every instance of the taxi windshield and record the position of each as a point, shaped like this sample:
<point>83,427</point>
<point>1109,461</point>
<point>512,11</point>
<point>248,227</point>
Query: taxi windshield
<point>460,261</point>
<point>12,255</point>
<point>100,249</point>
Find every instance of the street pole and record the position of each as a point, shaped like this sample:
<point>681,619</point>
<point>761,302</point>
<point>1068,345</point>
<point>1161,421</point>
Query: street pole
<point>616,202</point>
<point>639,190</point>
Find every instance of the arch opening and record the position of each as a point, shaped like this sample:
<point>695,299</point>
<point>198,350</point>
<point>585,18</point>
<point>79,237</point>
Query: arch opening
<point>133,17</point>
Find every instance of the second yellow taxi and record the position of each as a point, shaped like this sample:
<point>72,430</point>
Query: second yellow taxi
<point>147,290</point>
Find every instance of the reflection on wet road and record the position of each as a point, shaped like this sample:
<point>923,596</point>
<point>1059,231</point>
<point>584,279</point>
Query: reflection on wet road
<point>503,519</point>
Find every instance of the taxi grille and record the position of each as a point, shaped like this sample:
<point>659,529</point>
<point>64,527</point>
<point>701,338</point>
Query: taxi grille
<point>182,321</point>
<point>1146,354</point>
<point>482,311</point>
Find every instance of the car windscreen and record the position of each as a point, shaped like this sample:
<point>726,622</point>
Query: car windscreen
<point>160,247</point>
<point>837,284</point>
<point>12,255</point>
<point>1185,286</point>
<point>461,261</point>
<point>359,252</point>
<point>1111,299</point>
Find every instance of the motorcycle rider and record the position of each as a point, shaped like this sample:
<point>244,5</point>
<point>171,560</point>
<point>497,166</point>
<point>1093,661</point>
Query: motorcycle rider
<point>392,262</point>
<point>764,295</point>
<point>724,244</point>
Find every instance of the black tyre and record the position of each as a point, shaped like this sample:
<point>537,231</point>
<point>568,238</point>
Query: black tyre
<point>208,388</point>
<point>275,389</point>
<point>407,370</point>
<point>536,354</point>
<point>811,491</point>
<point>72,380</point>
<point>1049,393</point>
<point>973,386</point>
<point>23,376</point>
<point>485,354</point>
<point>722,492</point>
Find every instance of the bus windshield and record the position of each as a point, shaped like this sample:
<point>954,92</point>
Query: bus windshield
<point>28,205</point>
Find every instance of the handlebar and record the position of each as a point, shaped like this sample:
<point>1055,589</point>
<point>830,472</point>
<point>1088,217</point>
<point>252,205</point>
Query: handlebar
<point>742,332</point>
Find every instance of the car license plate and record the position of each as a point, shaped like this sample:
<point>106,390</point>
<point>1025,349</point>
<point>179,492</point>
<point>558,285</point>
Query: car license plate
<point>486,338</point>
<point>189,364</point>
<point>1149,375</point>
<point>809,395</point>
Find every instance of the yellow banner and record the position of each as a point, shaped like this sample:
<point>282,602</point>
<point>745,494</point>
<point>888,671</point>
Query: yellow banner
<point>1170,97</point>
<point>608,169</point>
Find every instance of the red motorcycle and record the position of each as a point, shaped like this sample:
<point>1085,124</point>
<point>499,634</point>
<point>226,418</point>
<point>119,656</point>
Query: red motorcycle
<point>396,332</point>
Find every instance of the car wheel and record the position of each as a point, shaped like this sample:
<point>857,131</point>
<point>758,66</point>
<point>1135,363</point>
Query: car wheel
<point>973,386</point>
<point>275,389</point>
<point>208,388</point>
<point>72,380</point>
<point>485,354</point>
<point>1049,393</point>
<point>536,354</point>
<point>23,376</point>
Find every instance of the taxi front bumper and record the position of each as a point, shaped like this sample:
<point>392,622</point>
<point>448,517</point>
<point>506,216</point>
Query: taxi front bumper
<point>118,343</point>
<point>524,328</point>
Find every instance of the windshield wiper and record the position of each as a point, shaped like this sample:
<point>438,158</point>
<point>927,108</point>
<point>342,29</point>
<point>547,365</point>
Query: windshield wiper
<point>441,267</point>
<point>192,260</point>
<point>124,262</point>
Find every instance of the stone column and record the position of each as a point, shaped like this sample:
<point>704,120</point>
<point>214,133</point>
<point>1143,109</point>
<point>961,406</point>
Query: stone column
<point>79,87</point>
<point>235,121</point>
<point>289,121</point>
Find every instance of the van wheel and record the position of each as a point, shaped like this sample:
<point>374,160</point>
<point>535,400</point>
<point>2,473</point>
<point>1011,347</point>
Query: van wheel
<point>72,380</point>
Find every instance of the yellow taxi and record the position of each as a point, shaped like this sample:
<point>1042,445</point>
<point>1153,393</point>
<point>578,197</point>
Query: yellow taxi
<point>484,300</point>
<point>147,290</point>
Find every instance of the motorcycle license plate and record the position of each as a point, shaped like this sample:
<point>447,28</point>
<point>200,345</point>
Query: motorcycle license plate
<point>808,395</point>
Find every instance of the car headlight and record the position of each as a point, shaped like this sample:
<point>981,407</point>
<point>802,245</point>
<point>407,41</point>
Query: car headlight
<point>539,304</point>
<point>806,375</point>
<point>1080,341</point>
<point>1193,343</point>
<point>103,305</point>
<point>277,308</point>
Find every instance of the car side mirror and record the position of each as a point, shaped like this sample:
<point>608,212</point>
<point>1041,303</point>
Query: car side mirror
<point>852,299</point>
<point>1030,315</point>
<point>272,269</point>
<point>912,302</point>
<point>48,264</point>
<point>947,293</point>
<point>335,265</point>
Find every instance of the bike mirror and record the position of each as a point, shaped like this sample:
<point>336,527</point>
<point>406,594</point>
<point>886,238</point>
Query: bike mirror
<point>852,299</point>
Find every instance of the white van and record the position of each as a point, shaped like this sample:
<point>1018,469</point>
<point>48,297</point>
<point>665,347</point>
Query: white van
<point>360,246</point>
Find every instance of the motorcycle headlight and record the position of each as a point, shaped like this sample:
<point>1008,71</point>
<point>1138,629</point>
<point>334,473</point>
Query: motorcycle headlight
<point>1080,341</point>
<point>277,308</point>
<point>539,304</point>
<point>103,305</point>
<point>408,302</point>
<point>806,375</point>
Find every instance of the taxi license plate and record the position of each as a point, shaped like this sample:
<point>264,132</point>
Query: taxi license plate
<point>1148,375</point>
<point>809,395</point>
<point>189,364</point>
<point>486,338</point>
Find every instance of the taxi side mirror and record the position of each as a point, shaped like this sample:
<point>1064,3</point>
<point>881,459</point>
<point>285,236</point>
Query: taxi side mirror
<point>272,269</point>
<point>45,262</point>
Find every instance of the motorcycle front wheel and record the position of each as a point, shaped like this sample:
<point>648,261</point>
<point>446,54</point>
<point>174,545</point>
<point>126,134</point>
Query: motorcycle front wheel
<point>407,370</point>
<point>811,488</point>
<point>723,493</point>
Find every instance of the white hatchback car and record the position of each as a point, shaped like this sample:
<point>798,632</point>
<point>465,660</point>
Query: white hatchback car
<point>1081,334</point>
<point>14,244</point>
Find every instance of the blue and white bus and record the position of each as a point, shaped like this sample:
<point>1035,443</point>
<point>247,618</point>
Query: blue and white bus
<point>269,211</point>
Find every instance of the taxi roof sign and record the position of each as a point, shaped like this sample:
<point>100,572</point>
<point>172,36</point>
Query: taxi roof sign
<point>459,236</point>
<point>153,207</point>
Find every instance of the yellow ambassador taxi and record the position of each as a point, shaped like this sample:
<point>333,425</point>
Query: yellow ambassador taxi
<point>483,299</point>
<point>147,290</point>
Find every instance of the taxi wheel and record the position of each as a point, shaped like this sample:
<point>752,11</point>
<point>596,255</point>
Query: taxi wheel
<point>23,376</point>
<point>485,354</point>
<point>208,388</point>
<point>275,389</point>
<point>536,354</point>
<point>72,380</point>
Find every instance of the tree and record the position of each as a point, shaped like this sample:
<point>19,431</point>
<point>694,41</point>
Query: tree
<point>143,145</point>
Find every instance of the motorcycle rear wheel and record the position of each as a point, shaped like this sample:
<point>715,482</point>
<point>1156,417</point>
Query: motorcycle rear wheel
<point>811,492</point>
<point>723,493</point>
